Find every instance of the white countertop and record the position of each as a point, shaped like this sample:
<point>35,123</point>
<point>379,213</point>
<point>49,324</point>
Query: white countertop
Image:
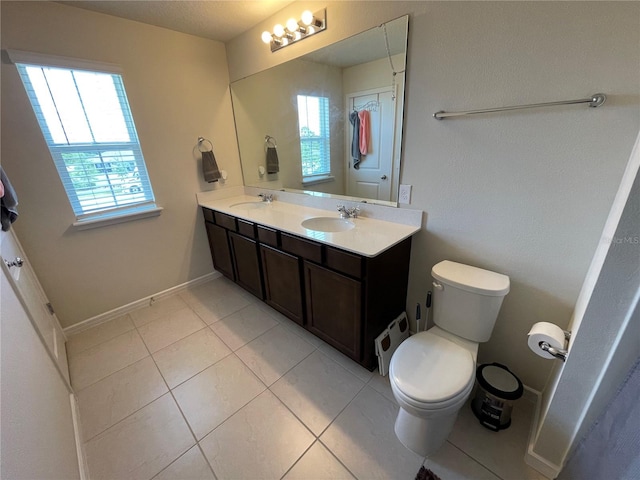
<point>369,237</point>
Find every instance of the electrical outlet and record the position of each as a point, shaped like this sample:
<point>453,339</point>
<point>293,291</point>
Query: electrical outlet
<point>405,194</point>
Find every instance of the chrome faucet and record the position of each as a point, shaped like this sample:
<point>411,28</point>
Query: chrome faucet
<point>346,212</point>
<point>266,197</point>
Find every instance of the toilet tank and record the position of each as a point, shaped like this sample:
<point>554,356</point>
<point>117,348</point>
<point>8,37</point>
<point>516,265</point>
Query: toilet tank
<point>466,299</point>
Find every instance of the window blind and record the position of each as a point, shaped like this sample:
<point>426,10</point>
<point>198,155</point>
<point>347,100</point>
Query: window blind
<point>86,121</point>
<point>313,123</point>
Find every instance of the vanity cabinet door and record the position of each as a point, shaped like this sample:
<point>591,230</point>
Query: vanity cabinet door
<point>334,308</point>
<point>247,264</point>
<point>282,282</point>
<point>220,250</point>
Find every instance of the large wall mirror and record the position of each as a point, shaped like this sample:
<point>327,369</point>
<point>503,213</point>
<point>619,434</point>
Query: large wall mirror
<point>295,122</point>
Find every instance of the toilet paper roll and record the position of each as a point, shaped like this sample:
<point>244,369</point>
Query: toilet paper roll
<point>545,332</point>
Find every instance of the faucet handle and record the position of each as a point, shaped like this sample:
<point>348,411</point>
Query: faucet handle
<point>348,212</point>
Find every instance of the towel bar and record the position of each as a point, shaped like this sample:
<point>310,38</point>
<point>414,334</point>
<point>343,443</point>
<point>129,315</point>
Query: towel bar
<point>596,100</point>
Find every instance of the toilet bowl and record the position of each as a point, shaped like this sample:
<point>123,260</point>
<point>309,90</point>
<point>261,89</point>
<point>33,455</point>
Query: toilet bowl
<point>431,378</point>
<point>432,373</point>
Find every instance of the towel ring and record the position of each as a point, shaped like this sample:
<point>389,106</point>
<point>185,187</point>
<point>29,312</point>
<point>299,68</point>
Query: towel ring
<point>202,140</point>
<point>270,141</point>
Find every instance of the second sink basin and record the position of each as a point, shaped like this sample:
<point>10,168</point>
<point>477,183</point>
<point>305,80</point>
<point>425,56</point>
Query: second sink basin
<point>249,205</point>
<point>328,224</point>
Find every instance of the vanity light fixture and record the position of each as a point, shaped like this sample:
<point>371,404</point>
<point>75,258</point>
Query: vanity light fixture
<point>294,30</point>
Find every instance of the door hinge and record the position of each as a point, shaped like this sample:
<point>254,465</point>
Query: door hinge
<point>50,308</point>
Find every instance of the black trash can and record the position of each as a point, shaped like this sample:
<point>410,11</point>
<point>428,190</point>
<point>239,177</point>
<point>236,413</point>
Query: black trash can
<point>497,389</point>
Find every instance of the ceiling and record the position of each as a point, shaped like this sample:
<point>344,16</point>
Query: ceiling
<point>213,19</point>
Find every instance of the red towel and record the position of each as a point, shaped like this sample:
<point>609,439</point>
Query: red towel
<point>363,115</point>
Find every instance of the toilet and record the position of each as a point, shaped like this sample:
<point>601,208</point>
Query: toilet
<point>432,373</point>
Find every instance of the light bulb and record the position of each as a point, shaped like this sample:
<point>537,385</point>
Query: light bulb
<point>266,37</point>
<point>292,25</point>
<point>307,17</point>
<point>278,30</point>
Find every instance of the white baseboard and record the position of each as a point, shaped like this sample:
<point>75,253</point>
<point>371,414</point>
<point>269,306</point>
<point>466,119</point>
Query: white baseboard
<point>535,461</point>
<point>143,302</point>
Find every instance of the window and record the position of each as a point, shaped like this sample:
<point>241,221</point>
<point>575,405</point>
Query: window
<point>313,122</point>
<point>87,124</point>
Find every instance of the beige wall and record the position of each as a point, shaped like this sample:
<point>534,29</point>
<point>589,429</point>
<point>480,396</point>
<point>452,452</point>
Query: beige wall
<point>178,90</point>
<point>525,193</point>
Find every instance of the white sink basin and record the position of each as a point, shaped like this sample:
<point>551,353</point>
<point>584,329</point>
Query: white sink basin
<point>328,224</point>
<point>249,205</point>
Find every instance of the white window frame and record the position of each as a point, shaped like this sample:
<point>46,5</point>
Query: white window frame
<point>133,208</point>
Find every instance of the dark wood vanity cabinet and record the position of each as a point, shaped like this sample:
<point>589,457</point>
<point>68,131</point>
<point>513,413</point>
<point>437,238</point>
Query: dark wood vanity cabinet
<point>220,250</point>
<point>283,289</point>
<point>247,264</point>
<point>343,298</point>
<point>333,305</point>
<point>234,250</point>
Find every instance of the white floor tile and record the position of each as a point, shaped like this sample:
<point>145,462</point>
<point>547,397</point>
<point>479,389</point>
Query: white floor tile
<point>170,328</point>
<point>363,439</point>
<point>274,353</point>
<point>98,334</point>
<point>216,300</point>
<point>141,445</point>
<point>247,430</point>
<point>158,309</point>
<point>451,464</point>
<point>243,326</point>
<point>355,368</point>
<point>190,466</point>
<point>215,394</point>
<point>185,358</point>
<point>262,440</point>
<point>317,390</point>
<point>501,452</point>
<point>318,464</point>
<point>381,385</point>
<point>96,363</point>
<point>117,396</point>
<point>297,329</point>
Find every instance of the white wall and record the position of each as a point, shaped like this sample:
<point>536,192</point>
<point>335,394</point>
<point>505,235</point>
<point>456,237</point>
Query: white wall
<point>177,86</point>
<point>523,193</point>
<point>605,337</point>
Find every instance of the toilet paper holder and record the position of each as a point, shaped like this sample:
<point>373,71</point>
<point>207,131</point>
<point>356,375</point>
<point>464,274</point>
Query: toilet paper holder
<point>556,352</point>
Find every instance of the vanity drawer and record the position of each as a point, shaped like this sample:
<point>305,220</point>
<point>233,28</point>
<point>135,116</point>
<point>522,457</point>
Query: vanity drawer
<point>246,228</point>
<point>344,262</point>
<point>267,236</point>
<point>303,248</point>
<point>208,215</point>
<point>226,221</point>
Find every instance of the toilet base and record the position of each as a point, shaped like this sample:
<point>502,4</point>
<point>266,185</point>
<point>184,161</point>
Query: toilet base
<point>424,436</point>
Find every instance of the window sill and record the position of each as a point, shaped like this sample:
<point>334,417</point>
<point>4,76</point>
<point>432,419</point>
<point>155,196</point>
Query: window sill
<point>317,179</point>
<point>113,219</point>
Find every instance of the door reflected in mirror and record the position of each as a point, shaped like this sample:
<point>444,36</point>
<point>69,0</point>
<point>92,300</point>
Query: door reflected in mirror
<point>330,122</point>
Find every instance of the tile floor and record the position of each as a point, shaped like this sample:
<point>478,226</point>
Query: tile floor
<point>212,383</point>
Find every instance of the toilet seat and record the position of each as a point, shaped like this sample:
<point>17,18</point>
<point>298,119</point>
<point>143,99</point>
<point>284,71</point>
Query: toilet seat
<point>431,372</point>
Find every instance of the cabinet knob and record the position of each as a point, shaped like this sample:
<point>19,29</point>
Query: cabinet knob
<point>383,177</point>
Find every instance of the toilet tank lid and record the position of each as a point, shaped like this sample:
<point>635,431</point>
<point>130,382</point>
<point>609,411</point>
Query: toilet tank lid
<point>471,279</point>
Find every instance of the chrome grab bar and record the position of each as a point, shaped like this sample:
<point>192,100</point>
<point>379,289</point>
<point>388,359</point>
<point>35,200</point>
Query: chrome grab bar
<point>596,100</point>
